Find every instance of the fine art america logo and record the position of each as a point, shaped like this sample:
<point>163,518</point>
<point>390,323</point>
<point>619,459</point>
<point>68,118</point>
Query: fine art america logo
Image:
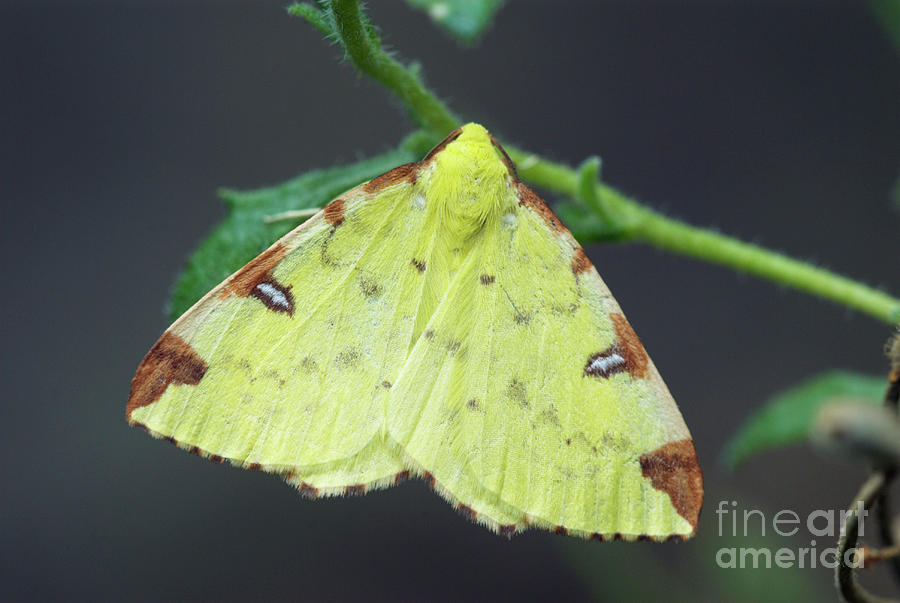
<point>753,523</point>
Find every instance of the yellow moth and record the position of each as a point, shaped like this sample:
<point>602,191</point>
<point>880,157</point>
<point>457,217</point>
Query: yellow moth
<point>438,321</point>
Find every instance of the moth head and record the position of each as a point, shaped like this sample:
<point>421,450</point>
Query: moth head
<point>472,179</point>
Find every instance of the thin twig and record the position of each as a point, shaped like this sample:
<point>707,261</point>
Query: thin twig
<point>844,577</point>
<point>882,510</point>
<point>882,503</point>
<point>872,556</point>
<point>874,495</point>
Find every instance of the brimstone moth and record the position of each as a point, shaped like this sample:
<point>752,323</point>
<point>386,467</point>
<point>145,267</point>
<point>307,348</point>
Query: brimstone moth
<point>437,321</point>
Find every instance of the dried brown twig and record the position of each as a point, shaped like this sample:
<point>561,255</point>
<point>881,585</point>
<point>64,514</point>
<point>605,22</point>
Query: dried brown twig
<point>874,495</point>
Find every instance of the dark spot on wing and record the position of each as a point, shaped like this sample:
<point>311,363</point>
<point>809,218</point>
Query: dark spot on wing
<point>551,415</point>
<point>507,530</point>
<point>401,477</point>
<point>244,365</point>
<point>386,384</point>
<point>257,270</point>
<point>561,530</point>
<point>334,212</point>
<point>419,264</point>
<point>170,361</point>
<point>348,357</point>
<point>369,287</point>
<point>516,391</point>
<point>274,295</point>
<point>487,279</point>
<point>606,363</point>
<point>625,354</point>
<point>673,468</point>
<point>472,404</point>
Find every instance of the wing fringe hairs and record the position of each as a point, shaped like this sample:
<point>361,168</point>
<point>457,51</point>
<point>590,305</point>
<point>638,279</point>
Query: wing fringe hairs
<point>436,322</point>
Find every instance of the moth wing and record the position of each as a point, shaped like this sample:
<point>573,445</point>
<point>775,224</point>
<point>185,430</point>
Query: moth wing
<point>287,364</point>
<point>532,395</point>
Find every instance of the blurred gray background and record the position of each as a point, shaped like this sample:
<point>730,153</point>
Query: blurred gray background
<point>777,122</point>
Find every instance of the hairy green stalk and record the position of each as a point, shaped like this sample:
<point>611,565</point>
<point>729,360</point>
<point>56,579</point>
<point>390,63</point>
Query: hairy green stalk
<point>641,223</point>
<point>368,56</point>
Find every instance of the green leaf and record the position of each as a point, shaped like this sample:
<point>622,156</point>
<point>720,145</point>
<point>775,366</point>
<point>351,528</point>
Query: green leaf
<point>586,226</point>
<point>244,234</point>
<point>588,176</point>
<point>887,13</point>
<point>787,417</point>
<point>467,20</point>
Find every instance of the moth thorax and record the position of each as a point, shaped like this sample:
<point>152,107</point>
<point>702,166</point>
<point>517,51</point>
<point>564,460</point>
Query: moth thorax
<point>471,185</point>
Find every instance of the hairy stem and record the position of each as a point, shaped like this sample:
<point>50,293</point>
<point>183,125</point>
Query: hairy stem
<point>636,221</point>
<point>643,224</point>
<point>369,58</point>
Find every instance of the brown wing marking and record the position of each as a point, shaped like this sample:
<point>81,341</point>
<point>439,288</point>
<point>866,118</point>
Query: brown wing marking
<point>256,280</point>
<point>673,468</point>
<point>404,173</point>
<point>171,360</point>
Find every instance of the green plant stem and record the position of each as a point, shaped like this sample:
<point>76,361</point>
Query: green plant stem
<point>716,248</point>
<point>643,224</point>
<point>428,110</point>
<point>636,221</point>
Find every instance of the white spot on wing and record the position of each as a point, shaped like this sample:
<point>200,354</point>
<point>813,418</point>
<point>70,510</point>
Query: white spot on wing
<point>275,295</point>
<point>604,364</point>
<point>419,202</point>
<point>509,220</point>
